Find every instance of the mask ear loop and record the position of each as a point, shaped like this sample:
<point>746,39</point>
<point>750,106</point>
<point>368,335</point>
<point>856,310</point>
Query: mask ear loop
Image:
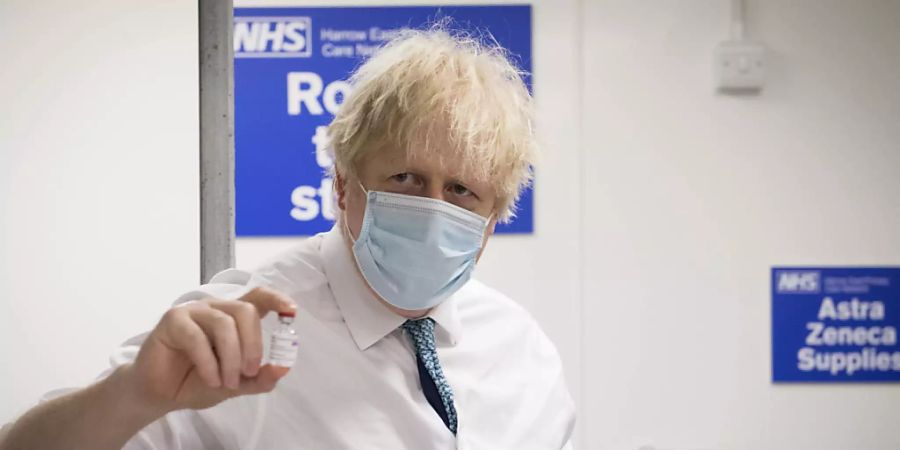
<point>487,221</point>
<point>344,215</point>
<point>347,227</point>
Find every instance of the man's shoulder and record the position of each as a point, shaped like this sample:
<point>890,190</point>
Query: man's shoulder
<point>496,324</point>
<point>297,271</point>
<point>301,260</point>
<point>478,298</point>
<point>482,306</point>
<point>306,251</point>
<point>296,268</point>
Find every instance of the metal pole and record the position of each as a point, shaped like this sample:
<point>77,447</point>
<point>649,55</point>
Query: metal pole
<point>216,137</point>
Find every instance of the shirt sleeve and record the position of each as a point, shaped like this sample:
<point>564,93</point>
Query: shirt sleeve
<point>179,429</point>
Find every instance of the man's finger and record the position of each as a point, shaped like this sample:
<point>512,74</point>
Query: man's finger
<point>264,381</point>
<point>266,299</point>
<point>221,330</point>
<point>184,334</point>
<point>247,321</point>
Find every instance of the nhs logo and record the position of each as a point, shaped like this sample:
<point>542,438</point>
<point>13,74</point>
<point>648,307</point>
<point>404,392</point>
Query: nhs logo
<point>797,281</point>
<point>272,37</point>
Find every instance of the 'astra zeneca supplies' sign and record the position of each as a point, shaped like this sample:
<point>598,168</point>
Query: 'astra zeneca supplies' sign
<point>835,324</point>
<point>291,67</point>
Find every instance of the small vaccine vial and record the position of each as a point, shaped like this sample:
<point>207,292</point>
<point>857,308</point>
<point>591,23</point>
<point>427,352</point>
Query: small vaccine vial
<point>283,348</point>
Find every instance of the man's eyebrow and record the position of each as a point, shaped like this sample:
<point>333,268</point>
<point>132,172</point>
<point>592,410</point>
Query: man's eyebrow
<point>458,180</point>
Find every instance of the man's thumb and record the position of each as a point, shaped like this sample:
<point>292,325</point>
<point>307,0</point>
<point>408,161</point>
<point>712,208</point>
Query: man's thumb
<point>264,381</point>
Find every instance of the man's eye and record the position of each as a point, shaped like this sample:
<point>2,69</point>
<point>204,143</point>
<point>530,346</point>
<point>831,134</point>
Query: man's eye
<point>460,190</point>
<point>401,177</point>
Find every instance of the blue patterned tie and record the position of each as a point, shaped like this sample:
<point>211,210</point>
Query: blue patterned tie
<point>435,386</point>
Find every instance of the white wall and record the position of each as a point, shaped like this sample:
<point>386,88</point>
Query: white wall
<point>690,198</point>
<point>659,209</point>
<point>98,183</point>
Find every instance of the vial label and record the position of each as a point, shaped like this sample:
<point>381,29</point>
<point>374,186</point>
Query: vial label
<point>283,351</point>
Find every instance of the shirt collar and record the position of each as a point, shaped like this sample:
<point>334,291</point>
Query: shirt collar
<point>367,319</point>
<point>446,317</point>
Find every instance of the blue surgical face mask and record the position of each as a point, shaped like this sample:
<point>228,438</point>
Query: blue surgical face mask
<point>415,252</point>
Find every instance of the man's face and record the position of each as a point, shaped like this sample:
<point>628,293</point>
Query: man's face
<point>390,170</point>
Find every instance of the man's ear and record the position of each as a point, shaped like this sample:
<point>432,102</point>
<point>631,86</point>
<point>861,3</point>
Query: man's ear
<point>340,188</point>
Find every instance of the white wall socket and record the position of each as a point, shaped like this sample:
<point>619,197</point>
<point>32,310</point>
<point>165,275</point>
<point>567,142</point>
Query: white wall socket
<point>740,67</point>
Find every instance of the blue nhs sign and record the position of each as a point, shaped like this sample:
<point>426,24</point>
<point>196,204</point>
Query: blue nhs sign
<point>290,72</point>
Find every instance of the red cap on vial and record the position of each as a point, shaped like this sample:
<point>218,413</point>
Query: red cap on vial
<point>287,314</point>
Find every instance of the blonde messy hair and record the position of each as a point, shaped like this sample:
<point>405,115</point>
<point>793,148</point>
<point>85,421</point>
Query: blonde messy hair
<point>434,84</point>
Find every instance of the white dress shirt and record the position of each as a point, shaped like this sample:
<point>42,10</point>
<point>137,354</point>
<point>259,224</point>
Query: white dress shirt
<point>355,384</point>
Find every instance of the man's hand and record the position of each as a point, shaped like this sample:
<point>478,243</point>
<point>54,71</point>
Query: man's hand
<point>206,351</point>
<point>199,354</point>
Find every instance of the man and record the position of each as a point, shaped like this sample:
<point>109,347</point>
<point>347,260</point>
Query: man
<point>398,347</point>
